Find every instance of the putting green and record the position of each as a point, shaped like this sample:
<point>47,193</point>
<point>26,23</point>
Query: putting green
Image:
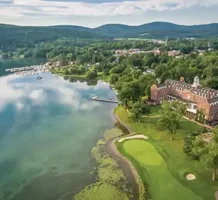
<point>143,152</point>
<point>153,169</point>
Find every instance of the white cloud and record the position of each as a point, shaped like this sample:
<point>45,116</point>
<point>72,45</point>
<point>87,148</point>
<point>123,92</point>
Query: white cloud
<point>8,93</point>
<point>64,9</point>
<point>64,92</point>
<point>19,106</point>
<point>72,97</point>
<point>38,97</point>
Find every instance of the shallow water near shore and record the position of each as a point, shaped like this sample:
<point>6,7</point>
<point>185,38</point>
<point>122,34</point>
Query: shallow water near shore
<point>47,131</point>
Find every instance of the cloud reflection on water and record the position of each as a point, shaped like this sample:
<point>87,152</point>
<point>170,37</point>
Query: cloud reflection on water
<point>54,122</point>
<point>14,91</point>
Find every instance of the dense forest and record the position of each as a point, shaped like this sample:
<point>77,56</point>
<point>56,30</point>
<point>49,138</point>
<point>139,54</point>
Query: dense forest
<point>93,54</point>
<point>85,48</point>
<point>159,30</point>
<point>132,69</point>
<point>13,37</point>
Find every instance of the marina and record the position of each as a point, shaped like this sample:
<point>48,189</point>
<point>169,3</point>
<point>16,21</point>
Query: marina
<point>31,70</point>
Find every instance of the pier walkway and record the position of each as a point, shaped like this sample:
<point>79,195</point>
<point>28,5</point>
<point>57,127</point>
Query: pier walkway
<point>104,100</point>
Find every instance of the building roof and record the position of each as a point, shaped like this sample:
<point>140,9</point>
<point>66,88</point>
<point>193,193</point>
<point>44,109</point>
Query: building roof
<point>210,94</point>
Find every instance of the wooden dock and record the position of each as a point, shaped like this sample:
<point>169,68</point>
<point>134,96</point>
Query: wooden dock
<point>104,100</point>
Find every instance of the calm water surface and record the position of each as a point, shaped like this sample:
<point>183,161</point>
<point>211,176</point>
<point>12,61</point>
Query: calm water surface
<point>47,131</point>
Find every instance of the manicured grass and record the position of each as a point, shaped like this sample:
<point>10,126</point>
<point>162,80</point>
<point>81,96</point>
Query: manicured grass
<point>155,110</point>
<point>170,174</point>
<point>163,185</point>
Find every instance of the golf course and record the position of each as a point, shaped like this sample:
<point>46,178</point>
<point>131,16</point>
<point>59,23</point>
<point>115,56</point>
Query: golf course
<point>161,163</point>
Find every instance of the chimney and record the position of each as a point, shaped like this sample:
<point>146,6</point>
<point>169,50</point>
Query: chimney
<point>209,93</point>
<point>182,79</point>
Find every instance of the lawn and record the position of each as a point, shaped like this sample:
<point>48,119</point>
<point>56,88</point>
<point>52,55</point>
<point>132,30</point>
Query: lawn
<point>155,110</point>
<point>166,179</point>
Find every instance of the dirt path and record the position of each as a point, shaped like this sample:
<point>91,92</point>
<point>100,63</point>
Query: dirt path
<point>129,130</point>
<point>125,165</point>
<point>134,180</point>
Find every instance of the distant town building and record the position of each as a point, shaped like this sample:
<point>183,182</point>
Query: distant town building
<point>72,62</point>
<point>174,53</point>
<point>122,52</point>
<point>202,102</point>
<point>58,64</point>
<point>158,41</point>
<point>201,52</point>
<point>149,71</point>
<point>157,52</point>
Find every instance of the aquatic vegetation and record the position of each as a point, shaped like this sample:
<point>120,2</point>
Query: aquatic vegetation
<point>111,182</point>
<point>101,191</point>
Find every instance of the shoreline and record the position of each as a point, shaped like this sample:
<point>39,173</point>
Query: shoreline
<point>111,182</point>
<point>127,168</point>
<point>134,181</point>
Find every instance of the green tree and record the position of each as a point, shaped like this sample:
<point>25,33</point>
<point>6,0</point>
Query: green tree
<point>209,159</point>
<point>171,114</point>
<point>130,91</point>
<point>207,152</point>
<point>136,73</point>
<point>188,148</point>
<point>91,74</point>
<point>212,82</point>
<point>113,78</point>
<point>138,109</point>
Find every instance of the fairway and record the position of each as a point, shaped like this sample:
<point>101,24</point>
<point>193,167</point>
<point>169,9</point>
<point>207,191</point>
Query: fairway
<point>153,169</point>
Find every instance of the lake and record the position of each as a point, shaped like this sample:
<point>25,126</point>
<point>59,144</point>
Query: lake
<point>47,130</point>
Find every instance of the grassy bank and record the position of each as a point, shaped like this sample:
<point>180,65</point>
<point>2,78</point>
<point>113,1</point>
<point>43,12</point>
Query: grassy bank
<point>111,183</point>
<point>161,163</point>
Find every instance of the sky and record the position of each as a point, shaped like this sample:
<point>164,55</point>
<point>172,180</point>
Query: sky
<point>93,13</point>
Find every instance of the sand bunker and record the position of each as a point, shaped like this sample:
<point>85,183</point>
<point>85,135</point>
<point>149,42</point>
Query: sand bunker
<point>190,177</point>
<point>133,137</point>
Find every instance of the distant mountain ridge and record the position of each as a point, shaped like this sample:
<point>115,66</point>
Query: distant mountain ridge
<point>159,29</point>
<point>12,35</point>
<point>152,30</point>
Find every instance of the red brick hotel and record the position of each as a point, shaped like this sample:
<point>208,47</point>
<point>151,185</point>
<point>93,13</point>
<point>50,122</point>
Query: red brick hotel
<point>202,102</point>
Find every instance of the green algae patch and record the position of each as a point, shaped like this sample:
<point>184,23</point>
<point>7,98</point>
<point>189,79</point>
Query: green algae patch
<point>111,182</point>
<point>112,133</point>
<point>101,191</point>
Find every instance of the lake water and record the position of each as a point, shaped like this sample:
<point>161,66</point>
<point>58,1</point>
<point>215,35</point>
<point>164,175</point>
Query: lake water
<point>47,131</point>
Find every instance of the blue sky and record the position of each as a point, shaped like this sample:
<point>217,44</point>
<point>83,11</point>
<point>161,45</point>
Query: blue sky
<point>94,13</point>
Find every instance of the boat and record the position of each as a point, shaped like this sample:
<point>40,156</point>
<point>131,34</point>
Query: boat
<point>39,78</point>
<point>95,98</point>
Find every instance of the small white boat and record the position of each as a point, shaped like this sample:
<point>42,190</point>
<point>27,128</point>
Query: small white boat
<point>94,98</point>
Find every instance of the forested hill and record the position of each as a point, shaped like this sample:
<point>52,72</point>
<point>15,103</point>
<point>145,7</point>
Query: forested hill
<point>14,36</point>
<point>159,30</point>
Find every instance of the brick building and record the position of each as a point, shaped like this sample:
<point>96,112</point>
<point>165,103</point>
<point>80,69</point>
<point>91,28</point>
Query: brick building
<point>202,102</point>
